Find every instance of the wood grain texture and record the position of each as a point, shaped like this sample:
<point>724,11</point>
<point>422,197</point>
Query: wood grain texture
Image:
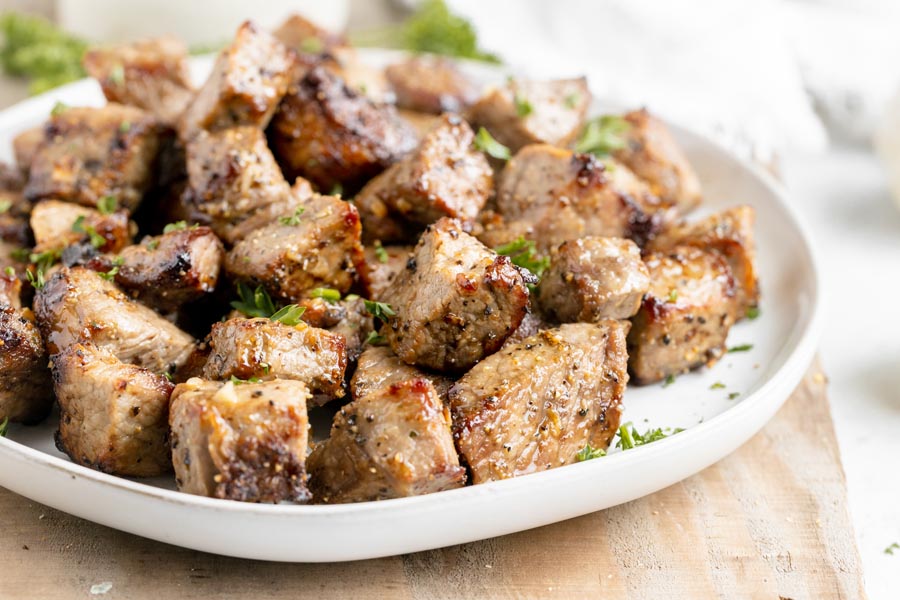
<point>770,521</point>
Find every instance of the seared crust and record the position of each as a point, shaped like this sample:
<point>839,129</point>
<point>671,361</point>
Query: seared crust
<point>392,443</point>
<point>113,416</point>
<point>533,405</point>
<point>330,134</point>
<point>320,248</point>
<point>265,349</point>
<point>431,84</point>
<point>151,74</point>
<point>379,368</point>
<point>380,267</point>
<point>91,153</point>
<point>247,82</point>
<point>556,111</point>
<point>456,301</point>
<point>685,316</point>
<point>594,278</point>
<point>243,442</point>
<point>76,305</point>
<point>54,226</point>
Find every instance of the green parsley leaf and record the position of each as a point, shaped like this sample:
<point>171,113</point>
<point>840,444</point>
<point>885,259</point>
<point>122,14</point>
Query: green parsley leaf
<point>107,205</point>
<point>589,453</point>
<point>41,263</point>
<point>293,219</point>
<point>253,303</point>
<point>603,135</point>
<point>752,312</point>
<point>36,49</point>
<point>58,109</point>
<point>111,274</point>
<point>35,277</point>
<point>117,75</point>
<point>5,205</point>
<point>289,315</point>
<point>890,549</point>
<point>380,253</point>
<point>571,101</point>
<point>4,428</point>
<point>266,367</point>
<point>670,379</point>
<point>629,437</point>
<point>523,253</point>
<point>312,45</point>
<point>486,143</point>
<point>717,386</point>
<point>375,339</point>
<point>673,297</point>
<point>523,106</point>
<point>153,244</point>
<point>379,310</point>
<point>167,376</point>
<point>10,271</point>
<point>741,348</point>
<point>178,226</point>
<point>326,294</point>
<point>237,381</point>
<point>733,395</point>
<point>97,240</point>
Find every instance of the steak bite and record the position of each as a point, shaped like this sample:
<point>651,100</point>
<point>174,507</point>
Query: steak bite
<point>151,74</point>
<point>25,390</point>
<point>392,443</point>
<point>530,112</point>
<point>456,301</point>
<point>381,265</point>
<point>305,37</point>
<point>113,416</point>
<point>78,306</point>
<point>379,368</point>
<point>244,442</point>
<point>685,316</point>
<point>444,177</point>
<point>730,233</point>
<point>551,195</point>
<point>91,153</point>
<point>654,156</point>
<point>25,147</point>
<point>14,208</point>
<point>431,84</point>
<point>316,247</point>
<point>247,82</point>
<point>59,224</point>
<point>533,405</point>
<point>265,349</point>
<point>332,135</point>
<point>594,278</point>
<point>233,178</point>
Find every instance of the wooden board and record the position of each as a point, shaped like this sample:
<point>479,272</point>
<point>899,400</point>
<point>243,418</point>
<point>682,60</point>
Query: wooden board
<point>770,521</point>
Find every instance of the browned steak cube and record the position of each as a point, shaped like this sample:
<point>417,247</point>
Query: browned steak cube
<point>244,442</point>
<point>91,153</point>
<point>332,135</point>
<point>59,224</point>
<point>265,349</point>
<point>233,177</point>
<point>392,443</point>
<point>654,156</point>
<point>77,306</point>
<point>355,326</point>
<point>379,368</point>
<point>532,406</point>
<point>444,177</point>
<point>528,112</point>
<point>382,264</point>
<point>113,416</point>
<point>729,232</point>
<point>317,247</point>
<point>304,36</point>
<point>151,74</point>
<point>431,84</point>
<point>594,278</point>
<point>686,315</point>
<point>456,301</point>
<point>247,82</point>
<point>25,392</point>
<point>25,147</point>
<point>551,195</point>
<point>14,208</point>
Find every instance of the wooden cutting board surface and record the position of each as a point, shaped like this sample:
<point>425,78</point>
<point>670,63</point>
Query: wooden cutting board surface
<point>770,521</point>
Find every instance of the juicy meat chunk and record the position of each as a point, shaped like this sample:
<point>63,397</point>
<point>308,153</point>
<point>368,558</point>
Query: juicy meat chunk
<point>246,84</point>
<point>242,442</point>
<point>77,306</point>
<point>91,153</point>
<point>233,178</point>
<point>654,156</point>
<point>456,301</point>
<point>14,209</point>
<point>730,233</point>
<point>25,147</point>
<point>381,265</point>
<point>59,224</point>
<point>551,195</point>
<point>319,247</point>
<point>431,84</point>
<point>265,349</point>
<point>534,405</point>
<point>379,368</point>
<point>151,74</point>
<point>113,416</point>
<point>354,326</point>
<point>305,37</point>
<point>529,112</point>
<point>444,177</point>
<point>685,316</point>
<point>332,135</point>
<point>594,278</point>
<point>392,443</point>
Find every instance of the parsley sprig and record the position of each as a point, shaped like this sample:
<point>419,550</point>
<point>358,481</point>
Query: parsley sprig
<point>629,437</point>
<point>294,219</point>
<point>327,294</point>
<point>589,453</point>
<point>486,143</point>
<point>79,226</point>
<point>603,135</point>
<point>257,303</point>
<point>379,310</point>
<point>4,426</point>
<point>523,253</point>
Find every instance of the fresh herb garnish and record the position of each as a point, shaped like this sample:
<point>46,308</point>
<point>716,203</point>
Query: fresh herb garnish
<point>603,135</point>
<point>289,315</point>
<point>253,303</point>
<point>523,253</point>
<point>890,549</point>
<point>41,263</point>
<point>36,49</point>
<point>326,294</point>
<point>4,427</point>
<point>670,379</point>
<point>178,226</point>
<point>293,219</point>
<point>111,274</point>
<point>10,271</point>
<point>673,297</point>
<point>380,253</point>
<point>153,244</point>
<point>107,205</point>
<point>35,277</point>
<point>752,312</point>
<point>237,381</point>
<point>588,453</point>
<point>168,376</point>
<point>79,226</point>
<point>124,126</point>
<point>717,386</point>
<point>5,205</point>
<point>58,109</point>
<point>379,310</point>
<point>523,106</point>
<point>629,437</point>
<point>741,348</point>
<point>117,75</point>
<point>571,101</point>
<point>375,338</point>
<point>733,395</point>
<point>312,45</point>
<point>486,143</point>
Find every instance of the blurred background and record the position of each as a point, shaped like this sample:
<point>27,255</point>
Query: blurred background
<point>809,89</point>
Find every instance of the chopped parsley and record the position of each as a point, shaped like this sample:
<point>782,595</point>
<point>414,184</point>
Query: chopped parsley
<point>237,381</point>
<point>253,303</point>
<point>571,101</point>
<point>670,379</point>
<point>111,274</point>
<point>58,109</point>
<point>588,453</point>
<point>312,45</point>
<point>523,106</point>
<point>375,338</point>
<point>289,315</point>
<point>178,226</point>
<point>673,296</point>
<point>35,277</point>
<point>5,205</point>
<point>10,271</point>
<point>629,437</point>
<point>379,310</point>
<point>717,386</point>
<point>4,427</point>
<point>380,253</point>
<point>890,549</point>
<point>326,294</point>
<point>603,135</point>
<point>741,348</point>
<point>117,75</point>
<point>79,226</point>
<point>41,263</point>
<point>523,253</point>
<point>733,395</point>
<point>752,312</point>
<point>38,50</point>
<point>107,205</point>
<point>486,143</point>
<point>153,244</point>
<point>293,219</point>
<point>168,376</point>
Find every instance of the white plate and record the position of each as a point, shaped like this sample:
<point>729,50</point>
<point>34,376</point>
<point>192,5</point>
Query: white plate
<point>784,340</point>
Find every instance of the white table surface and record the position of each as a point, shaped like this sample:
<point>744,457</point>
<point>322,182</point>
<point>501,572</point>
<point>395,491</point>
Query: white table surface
<point>843,198</point>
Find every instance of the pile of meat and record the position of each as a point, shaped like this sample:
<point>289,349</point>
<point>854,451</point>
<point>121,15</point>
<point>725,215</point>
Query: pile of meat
<point>188,273</point>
